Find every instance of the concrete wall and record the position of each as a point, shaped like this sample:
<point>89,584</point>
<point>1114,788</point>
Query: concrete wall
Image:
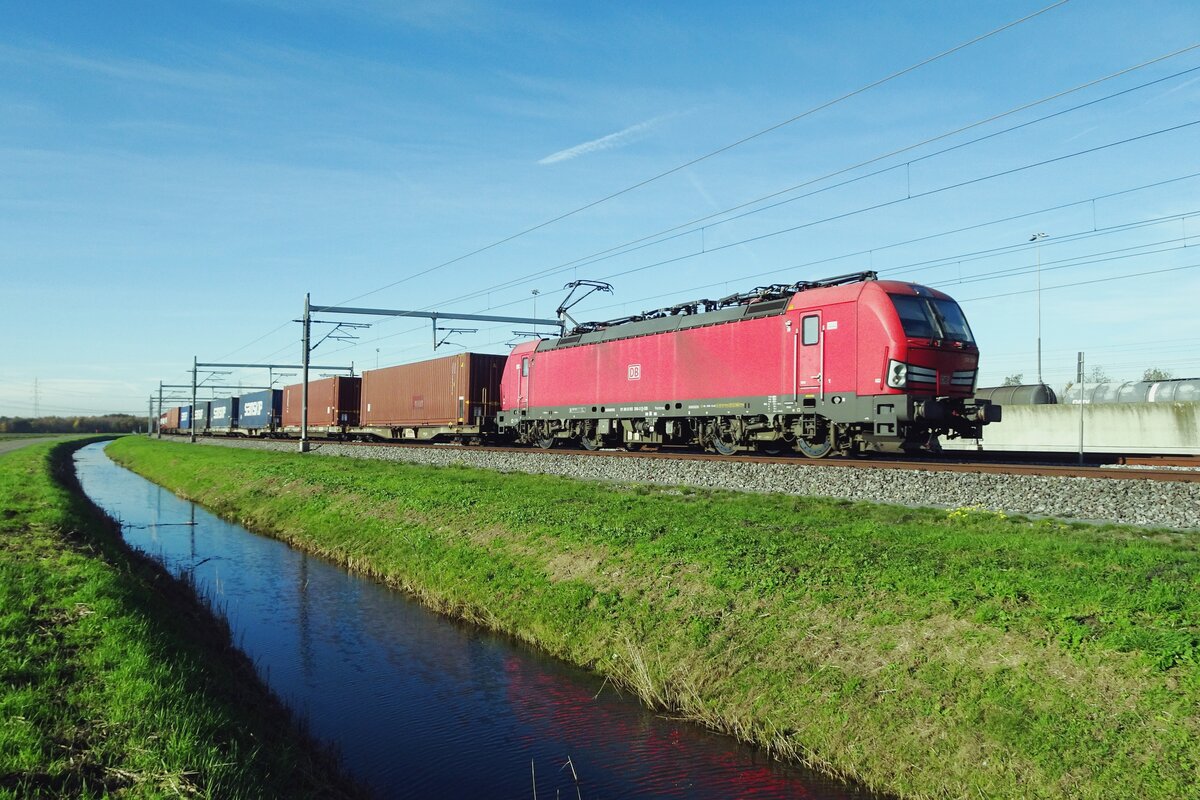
<point>1154,428</point>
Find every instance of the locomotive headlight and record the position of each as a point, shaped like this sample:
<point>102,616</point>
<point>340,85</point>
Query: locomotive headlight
<point>897,374</point>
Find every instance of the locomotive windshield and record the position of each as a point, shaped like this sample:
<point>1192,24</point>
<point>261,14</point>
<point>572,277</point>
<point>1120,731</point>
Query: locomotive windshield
<point>931,318</point>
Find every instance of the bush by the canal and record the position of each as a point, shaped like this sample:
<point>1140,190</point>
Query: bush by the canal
<point>115,680</point>
<point>924,652</point>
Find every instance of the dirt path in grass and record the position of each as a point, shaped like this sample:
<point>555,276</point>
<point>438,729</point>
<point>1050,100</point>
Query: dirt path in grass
<point>7,445</point>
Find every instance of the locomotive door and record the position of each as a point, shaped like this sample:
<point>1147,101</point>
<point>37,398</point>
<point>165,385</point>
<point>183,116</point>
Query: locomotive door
<point>810,361</point>
<point>523,384</point>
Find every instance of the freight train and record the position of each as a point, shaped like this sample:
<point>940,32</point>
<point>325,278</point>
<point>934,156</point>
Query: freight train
<point>846,364</point>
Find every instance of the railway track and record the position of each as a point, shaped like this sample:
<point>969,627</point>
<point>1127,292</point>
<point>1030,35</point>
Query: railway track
<point>1148,469</point>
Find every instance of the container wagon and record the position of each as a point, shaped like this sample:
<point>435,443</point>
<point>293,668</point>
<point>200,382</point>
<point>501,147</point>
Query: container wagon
<point>200,416</point>
<point>224,416</point>
<point>168,422</point>
<point>332,407</point>
<point>261,413</point>
<point>454,398</point>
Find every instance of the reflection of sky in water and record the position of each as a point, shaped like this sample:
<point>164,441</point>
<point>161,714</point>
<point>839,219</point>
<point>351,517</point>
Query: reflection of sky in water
<point>418,705</point>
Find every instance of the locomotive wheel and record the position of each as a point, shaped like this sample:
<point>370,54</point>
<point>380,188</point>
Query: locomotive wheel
<point>591,443</point>
<point>724,443</point>
<point>816,448</point>
<point>545,443</point>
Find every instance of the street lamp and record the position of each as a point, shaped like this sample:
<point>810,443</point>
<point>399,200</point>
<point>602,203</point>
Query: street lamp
<point>1037,237</point>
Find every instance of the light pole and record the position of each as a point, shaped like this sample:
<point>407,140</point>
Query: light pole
<point>1037,237</point>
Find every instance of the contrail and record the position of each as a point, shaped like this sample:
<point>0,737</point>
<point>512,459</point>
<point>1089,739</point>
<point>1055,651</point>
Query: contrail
<point>603,143</point>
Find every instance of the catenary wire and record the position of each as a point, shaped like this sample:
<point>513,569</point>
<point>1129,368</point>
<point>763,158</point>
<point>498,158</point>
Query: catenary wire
<point>723,149</point>
<point>909,197</point>
<point>899,269</point>
<point>952,259</point>
<point>1107,279</point>
<point>678,231</point>
<point>661,236</point>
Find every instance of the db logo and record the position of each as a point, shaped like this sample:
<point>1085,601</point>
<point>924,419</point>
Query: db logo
<point>635,372</point>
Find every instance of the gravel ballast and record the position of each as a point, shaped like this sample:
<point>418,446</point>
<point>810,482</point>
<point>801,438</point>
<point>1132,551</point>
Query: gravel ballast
<point>1132,502</point>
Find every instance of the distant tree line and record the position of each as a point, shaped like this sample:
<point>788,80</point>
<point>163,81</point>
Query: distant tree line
<point>108,423</point>
<point>1097,374</point>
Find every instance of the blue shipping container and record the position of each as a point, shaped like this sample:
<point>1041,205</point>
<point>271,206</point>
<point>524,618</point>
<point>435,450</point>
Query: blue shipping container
<point>185,418</point>
<point>201,415</point>
<point>224,413</point>
<point>261,410</point>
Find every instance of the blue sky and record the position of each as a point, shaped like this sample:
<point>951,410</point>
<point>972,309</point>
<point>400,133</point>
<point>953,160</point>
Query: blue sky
<point>174,177</point>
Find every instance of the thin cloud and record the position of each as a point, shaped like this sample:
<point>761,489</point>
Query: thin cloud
<point>609,142</point>
<point>125,70</point>
<point>423,14</point>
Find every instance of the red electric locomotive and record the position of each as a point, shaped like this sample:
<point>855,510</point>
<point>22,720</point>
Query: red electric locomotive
<point>832,366</point>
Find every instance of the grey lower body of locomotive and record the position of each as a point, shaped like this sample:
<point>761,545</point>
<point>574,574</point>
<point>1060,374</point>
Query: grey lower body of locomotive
<point>814,426</point>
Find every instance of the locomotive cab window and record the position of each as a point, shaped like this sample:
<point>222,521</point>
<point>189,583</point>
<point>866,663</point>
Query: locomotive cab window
<point>932,318</point>
<point>810,329</point>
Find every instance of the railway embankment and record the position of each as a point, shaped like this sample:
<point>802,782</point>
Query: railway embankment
<point>114,678</point>
<point>1115,500</point>
<point>925,652</point>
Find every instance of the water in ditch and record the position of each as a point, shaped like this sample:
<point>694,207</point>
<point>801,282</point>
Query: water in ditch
<point>417,704</point>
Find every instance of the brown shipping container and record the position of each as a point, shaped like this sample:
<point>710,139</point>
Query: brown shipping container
<point>172,423</point>
<point>331,402</point>
<point>459,389</point>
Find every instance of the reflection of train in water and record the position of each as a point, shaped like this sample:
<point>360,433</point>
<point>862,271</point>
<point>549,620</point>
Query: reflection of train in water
<point>834,366</point>
<point>1136,417</point>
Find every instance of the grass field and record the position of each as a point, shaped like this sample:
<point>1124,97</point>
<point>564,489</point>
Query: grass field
<point>113,679</point>
<point>927,653</point>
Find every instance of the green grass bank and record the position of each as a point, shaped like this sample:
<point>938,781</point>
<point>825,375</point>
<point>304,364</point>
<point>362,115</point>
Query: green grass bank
<point>114,680</point>
<point>922,652</point>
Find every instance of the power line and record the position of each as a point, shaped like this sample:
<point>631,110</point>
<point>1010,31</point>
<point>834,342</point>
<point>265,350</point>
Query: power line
<point>718,151</point>
<point>944,260</point>
<point>1066,238</point>
<point>934,191</point>
<point>979,225</point>
<point>687,228</point>
<point>877,206</point>
<point>662,235</point>
<point>1074,262</point>
<point>1082,283</point>
<point>917,196</point>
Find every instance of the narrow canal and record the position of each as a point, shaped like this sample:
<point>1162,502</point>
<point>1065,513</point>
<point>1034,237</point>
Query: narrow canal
<point>418,705</point>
